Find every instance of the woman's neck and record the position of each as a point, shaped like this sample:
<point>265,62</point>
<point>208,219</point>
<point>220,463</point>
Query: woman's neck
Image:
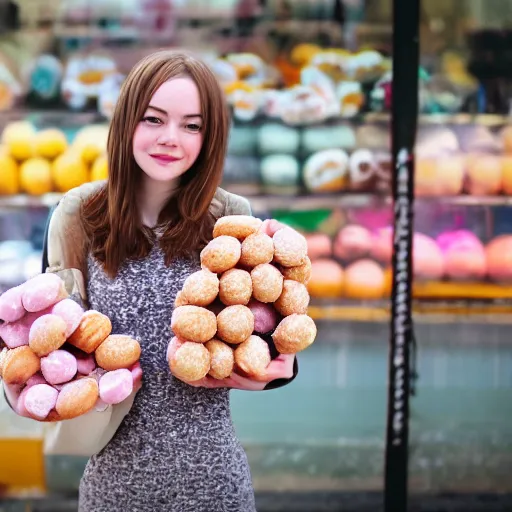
<point>151,199</point>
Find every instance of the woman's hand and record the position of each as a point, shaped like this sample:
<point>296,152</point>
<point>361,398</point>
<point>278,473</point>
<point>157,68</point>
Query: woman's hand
<point>279,368</point>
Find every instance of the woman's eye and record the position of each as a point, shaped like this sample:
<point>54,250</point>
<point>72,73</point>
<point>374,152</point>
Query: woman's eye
<point>193,127</point>
<point>151,120</point>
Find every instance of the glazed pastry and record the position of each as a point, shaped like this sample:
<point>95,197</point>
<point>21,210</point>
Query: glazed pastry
<point>11,307</point>
<point>43,291</point>
<point>193,323</point>
<point>221,254</point>
<point>70,312</point>
<point>267,283</point>
<point>265,316</point>
<point>235,287</point>
<point>117,351</point>
<point>253,356</point>
<point>294,333</point>
<point>300,273</point>
<point>290,247</point>
<point>326,171</point>
<point>19,364</point>
<point>93,329</point>
<point>222,359</point>
<point>77,398</point>
<point>47,333</point>
<point>235,324</point>
<point>327,279</point>
<point>116,386</point>
<point>200,288</point>
<point>237,226</point>
<point>364,280</point>
<point>39,400</point>
<point>362,169</point>
<point>190,362</point>
<point>257,248</point>
<point>58,367</point>
<point>293,299</point>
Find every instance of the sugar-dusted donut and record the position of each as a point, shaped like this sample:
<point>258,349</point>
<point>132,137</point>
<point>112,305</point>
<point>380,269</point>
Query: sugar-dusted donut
<point>76,398</point>
<point>294,333</point>
<point>189,361</point>
<point>222,359</point>
<point>93,329</point>
<point>300,273</point>
<point>235,324</point>
<point>237,226</point>
<point>293,299</point>
<point>117,351</point>
<point>235,287</point>
<point>290,247</point>
<point>253,356</point>
<point>47,333</point>
<point>42,291</point>
<point>193,323</point>
<point>221,254</point>
<point>200,288</point>
<point>58,367</point>
<point>267,282</point>
<point>19,364</point>
<point>256,249</point>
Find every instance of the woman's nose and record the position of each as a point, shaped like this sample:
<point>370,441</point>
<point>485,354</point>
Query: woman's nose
<point>169,135</point>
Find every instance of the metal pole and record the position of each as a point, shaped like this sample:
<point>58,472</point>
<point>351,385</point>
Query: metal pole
<point>403,129</point>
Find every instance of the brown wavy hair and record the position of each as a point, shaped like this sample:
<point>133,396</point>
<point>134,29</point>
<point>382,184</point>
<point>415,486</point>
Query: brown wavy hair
<point>112,223</point>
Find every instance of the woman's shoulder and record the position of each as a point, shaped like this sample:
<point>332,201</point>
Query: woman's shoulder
<point>226,203</point>
<point>71,201</point>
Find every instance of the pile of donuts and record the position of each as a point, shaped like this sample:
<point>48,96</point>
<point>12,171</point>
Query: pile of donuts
<point>248,301</point>
<point>64,359</point>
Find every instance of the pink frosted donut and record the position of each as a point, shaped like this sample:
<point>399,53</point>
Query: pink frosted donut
<point>352,242</point>
<point>464,255</point>
<point>265,316</point>
<point>116,386</point>
<point>428,260</point>
<point>58,367</point>
<point>42,291</point>
<point>11,307</point>
<point>40,400</point>
<point>70,312</point>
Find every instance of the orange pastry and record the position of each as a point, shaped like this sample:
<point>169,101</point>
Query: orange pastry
<point>235,324</point>
<point>294,299</point>
<point>290,247</point>
<point>47,333</point>
<point>201,288</point>
<point>253,356</point>
<point>221,254</point>
<point>19,364</point>
<point>294,333</point>
<point>77,398</point>
<point>267,282</point>
<point>235,287</point>
<point>222,359</point>
<point>193,323</point>
<point>256,249</point>
<point>93,329</point>
<point>238,226</point>
<point>300,273</point>
<point>117,351</point>
<point>190,361</point>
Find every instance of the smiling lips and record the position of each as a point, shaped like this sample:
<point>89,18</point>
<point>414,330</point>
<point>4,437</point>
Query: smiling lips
<point>165,159</point>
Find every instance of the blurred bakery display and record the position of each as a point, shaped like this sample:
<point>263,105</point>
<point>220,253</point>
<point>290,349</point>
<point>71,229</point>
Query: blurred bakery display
<point>309,88</point>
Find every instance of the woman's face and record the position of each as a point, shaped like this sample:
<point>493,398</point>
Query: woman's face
<point>168,139</point>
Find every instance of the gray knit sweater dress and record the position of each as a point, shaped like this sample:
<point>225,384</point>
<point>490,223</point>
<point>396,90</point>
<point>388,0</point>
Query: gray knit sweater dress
<point>176,451</point>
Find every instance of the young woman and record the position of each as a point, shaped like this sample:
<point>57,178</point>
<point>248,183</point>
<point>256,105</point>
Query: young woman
<point>131,243</point>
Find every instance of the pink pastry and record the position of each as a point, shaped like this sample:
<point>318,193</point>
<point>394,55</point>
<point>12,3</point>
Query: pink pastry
<point>36,379</point>
<point>352,242</point>
<point>86,363</point>
<point>43,291</point>
<point>265,316</point>
<point>21,410</point>
<point>464,255</point>
<point>116,386</point>
<point>11,307</point>
<point>70,312</point>
<point>40,400</point>
<point>382,244</point>
<point>16,334</point>
<point>58,367</point>
<point>428,259</point>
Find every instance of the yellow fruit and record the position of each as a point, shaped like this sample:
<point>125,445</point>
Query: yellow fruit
<point>18,137</point>
<point>50,143</point>
<point>99,170</point>
<point>69,171</point>
<point>9,174</point>
<point>36,176</point>
<point>91,142</point>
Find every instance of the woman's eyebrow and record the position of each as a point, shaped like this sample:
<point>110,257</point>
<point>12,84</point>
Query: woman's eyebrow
<point>161,110</point>
<point>193,115</point>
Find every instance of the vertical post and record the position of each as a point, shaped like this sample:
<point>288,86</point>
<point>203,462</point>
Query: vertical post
<point>403,131</point>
